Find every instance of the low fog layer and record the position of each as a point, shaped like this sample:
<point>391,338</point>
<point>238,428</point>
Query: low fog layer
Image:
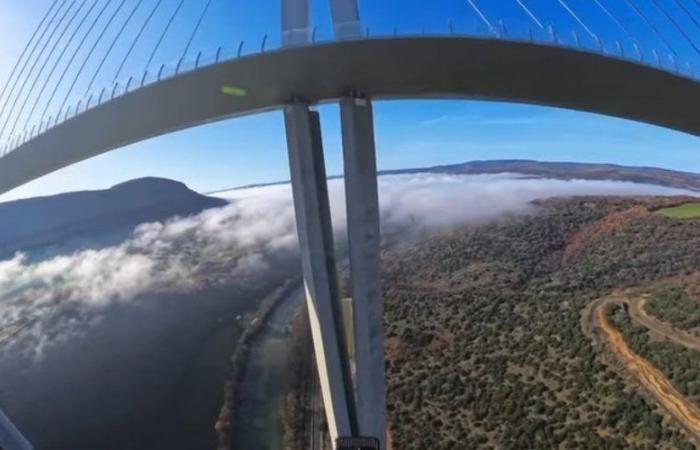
<point>242,240</point>
<point>433,202</point>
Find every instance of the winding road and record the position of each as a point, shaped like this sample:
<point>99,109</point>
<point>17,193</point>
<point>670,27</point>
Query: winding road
<point>653,379</point>
<point>638,313</point>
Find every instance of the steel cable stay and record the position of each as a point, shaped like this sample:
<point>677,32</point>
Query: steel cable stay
<point>136,39</point>
<point>58,62</point>
<point>92,50</point>
<point>21,75</point>
<point>69,65</point>
<point>577,18</point>
<point>196,28</point>
<point>617,22</point>
<point>687,11</point>
<point>113,44</point>
<point>481,15</point>
<point>26,47</point>
<point>39,58</point>
<point>529,12</point>
<point>162,35</point>
<point>45,64</point>
<point>656,31</point>
<point>676,25</point>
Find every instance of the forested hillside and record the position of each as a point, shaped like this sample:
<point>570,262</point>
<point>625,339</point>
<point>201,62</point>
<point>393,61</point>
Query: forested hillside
<point>484,328</point>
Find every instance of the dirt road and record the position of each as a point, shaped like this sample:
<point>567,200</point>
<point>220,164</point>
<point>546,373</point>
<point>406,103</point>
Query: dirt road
<point>638,312</point>
<point>649,376</point>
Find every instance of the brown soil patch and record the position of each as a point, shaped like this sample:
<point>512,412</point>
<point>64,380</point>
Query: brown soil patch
<point>608,225</point>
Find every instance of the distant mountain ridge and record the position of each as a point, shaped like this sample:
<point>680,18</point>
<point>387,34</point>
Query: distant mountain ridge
<point>91,219</point>
<point>96,215</point>
<point>546,169</point>
<point>569,171</point>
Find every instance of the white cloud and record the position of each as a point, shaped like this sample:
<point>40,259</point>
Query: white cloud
<point>434,201</point>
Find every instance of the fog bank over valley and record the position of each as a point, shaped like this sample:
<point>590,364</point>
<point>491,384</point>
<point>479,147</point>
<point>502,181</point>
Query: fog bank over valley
<point>243,241</point>
<point>102,336</point>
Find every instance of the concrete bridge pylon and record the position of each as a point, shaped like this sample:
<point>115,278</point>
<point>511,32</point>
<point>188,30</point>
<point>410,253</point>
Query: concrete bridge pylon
<point>312,212</point>
<point>353,410</point>
<point>359,408</point>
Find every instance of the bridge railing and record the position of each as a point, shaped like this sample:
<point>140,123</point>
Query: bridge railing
<point>625,49</point>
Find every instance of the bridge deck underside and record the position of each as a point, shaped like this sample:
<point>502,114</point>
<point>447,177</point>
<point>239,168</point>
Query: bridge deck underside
<point>437,67</point>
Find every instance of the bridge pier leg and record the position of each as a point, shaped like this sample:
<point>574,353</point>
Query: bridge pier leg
<point>346,19</point>
<point>315,233</point>
<point>295,22</point>
<point>10,437</point>
<point>362,205</point>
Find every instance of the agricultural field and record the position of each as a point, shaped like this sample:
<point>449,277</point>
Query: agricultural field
<point>684,211</point>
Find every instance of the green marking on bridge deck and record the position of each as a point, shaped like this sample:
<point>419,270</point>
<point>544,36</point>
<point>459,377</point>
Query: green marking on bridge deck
<point>234,90</point>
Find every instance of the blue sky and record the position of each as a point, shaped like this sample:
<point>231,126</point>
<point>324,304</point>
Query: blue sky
<point>409,133</point>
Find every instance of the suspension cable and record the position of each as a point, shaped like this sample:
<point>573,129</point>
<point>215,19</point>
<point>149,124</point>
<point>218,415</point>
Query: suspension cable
<point>676,25</point>
<point>656,31</point>
<point>21,75</point>
<point>72,58</point>
<point>136,39</point>
<point>529,13</point>
<point>92,50</point>
<point>196,28</point>
<point>39,58</point>
<point>162,35</point>
<point>481,15</point>
<point>26,47</point>
<point>114,42</point>
<point>576,17</point>
<point>57,63</point>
